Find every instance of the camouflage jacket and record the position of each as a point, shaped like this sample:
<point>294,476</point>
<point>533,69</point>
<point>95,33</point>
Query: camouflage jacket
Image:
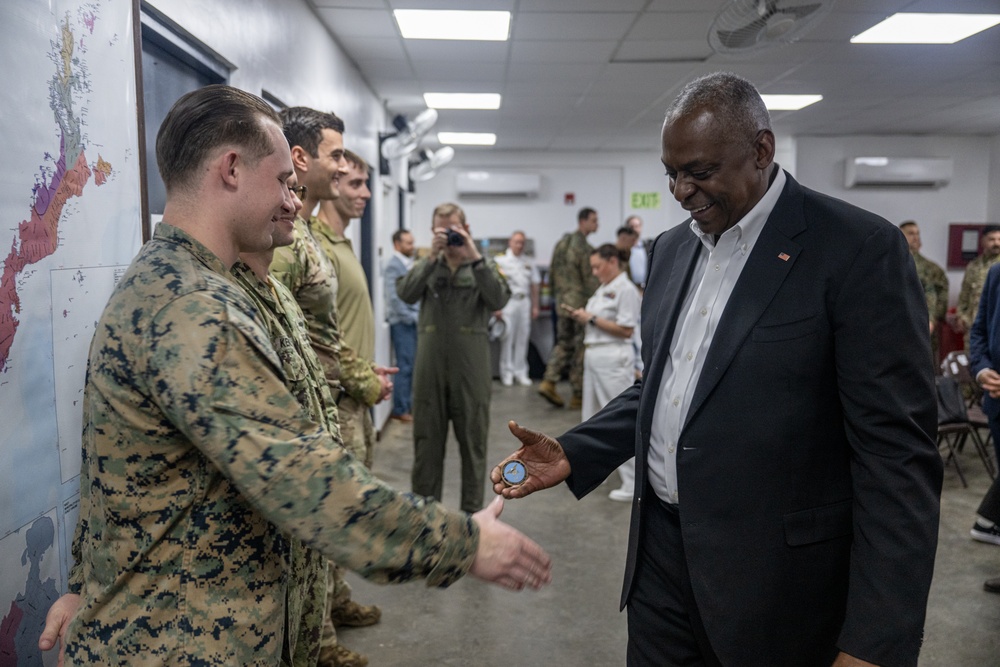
<point>307,272</point>
<point>198,462</point>
<point>570,276</point>
<point>354,305</point>
<point>935,284</point>
<point>285,324</point>
<point>972,287</point>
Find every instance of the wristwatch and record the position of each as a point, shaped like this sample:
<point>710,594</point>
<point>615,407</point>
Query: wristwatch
<point>592,321</point>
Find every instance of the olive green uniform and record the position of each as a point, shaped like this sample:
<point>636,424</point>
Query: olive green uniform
<point>198,466</point>
<point>972,288</point>
<point>935,283</point>
<point>572,283</point>
<point>357,325</point>
<point>452,374</point>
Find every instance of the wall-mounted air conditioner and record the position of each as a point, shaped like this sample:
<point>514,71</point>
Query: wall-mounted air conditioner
<point>497,184</point>
<point>921,172</point>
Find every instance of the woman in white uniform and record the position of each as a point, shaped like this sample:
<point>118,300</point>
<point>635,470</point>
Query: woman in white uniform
<point>611,315</point>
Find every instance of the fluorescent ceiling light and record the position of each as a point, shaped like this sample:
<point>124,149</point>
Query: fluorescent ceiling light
<point>462,100</point>
<point>906,28</point>
<point>453,24</point>
<point>468,138</point>
<point>789,102</point>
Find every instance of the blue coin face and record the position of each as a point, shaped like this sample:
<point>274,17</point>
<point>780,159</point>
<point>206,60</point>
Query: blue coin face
<point>513,472</point>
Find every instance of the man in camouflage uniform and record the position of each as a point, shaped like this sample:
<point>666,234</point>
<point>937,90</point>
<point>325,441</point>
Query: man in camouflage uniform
<point>975,278</point>
<point>933,280</point>
<point>572,284</point>
<point>458,290</point>
<point>199,465</point>
<point>317,152</point>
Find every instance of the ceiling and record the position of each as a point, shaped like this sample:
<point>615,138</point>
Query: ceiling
<point>591,75</point>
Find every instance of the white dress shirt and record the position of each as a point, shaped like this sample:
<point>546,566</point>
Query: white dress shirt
<point>718,267</point>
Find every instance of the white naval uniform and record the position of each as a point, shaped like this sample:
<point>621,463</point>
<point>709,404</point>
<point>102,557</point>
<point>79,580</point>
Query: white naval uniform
<point>521,274</point>
<point>609,360</point>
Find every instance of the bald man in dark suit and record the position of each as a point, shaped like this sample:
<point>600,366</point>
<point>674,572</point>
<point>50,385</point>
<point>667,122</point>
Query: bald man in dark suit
<point>787,480</point>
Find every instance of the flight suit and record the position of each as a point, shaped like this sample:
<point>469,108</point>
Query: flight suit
<point>452,375</point>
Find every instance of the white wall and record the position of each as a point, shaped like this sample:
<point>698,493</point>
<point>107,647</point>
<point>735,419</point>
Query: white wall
<point>281,46</point>
<point>820,165</point>
<point>546,218</point>
<point>993,207</point>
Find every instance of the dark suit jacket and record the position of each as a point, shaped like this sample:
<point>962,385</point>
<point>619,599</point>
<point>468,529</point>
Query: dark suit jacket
<point>808,474</point>
<point>984,337</point>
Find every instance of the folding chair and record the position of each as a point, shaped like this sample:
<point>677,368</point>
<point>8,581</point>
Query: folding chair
<point>956,365</point>
<point>954,427</point>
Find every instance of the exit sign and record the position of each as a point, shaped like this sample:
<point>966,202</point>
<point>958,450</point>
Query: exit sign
<point>645,200</point>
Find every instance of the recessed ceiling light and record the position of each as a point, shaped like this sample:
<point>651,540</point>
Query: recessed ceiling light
<point>462,100</point>
<point>904,28</point>
<point>468,138</point>
<point>453,24</point>
<point>789,102</point>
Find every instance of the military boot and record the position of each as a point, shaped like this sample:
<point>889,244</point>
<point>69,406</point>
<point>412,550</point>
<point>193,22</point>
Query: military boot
<point>548,391</point>
<point>340,656</point>
<point>576,403</point>
<point>355,615</point>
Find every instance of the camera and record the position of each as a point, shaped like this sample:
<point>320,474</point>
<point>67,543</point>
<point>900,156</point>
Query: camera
<point>454,238</point>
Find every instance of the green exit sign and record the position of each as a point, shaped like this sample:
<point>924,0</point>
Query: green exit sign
<point>645,200</point>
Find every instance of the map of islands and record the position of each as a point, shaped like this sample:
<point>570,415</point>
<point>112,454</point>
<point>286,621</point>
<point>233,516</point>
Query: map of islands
<point>38,235</point>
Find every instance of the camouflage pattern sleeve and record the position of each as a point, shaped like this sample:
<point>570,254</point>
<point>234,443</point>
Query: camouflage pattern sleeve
<point>229,400</point>
<point>939,280</point>
<point>358,377</point>
<point>410,288</point>
<point>493,287</point>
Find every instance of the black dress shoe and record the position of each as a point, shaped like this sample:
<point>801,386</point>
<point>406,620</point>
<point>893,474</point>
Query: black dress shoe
<point>992,585</point>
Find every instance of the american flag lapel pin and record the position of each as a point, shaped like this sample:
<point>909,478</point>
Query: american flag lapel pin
<point>784,256</point>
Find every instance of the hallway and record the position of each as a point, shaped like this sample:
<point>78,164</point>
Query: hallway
<point>575,621</point>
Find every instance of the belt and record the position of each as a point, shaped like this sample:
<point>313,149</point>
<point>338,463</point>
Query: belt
<point>519,296</point>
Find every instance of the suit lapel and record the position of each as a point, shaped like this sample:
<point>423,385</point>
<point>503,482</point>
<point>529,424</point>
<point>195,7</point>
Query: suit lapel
<point>769,263</point>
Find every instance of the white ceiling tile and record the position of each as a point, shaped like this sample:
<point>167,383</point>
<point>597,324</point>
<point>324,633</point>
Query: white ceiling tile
<point>553,26</point>
<point>465,51</point>
<point>372,48</point>
<point>663,50</point>
<point>579,51</point>
<point>581,5</point>
<point>673,25</point>
<point>437,73</point>
<point>359,22</point>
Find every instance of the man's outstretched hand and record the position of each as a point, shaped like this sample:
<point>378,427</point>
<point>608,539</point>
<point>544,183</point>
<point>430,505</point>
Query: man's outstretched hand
<point>544,460</point>
<point>505,556</point>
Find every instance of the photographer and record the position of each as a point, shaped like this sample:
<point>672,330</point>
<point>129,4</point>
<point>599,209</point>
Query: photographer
<point>458,289</point>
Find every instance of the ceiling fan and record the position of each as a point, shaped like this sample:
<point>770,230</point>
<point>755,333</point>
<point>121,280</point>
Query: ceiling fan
<point>743,26</point>
<point>427,166</point>
<point>408,134</point>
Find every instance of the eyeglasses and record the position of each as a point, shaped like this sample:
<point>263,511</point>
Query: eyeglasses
<point>299,191</point>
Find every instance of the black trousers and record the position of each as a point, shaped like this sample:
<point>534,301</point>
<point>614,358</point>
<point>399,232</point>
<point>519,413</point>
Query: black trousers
<point>664,626</point>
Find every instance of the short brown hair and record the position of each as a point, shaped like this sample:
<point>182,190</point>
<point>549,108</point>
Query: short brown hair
<point>206,119</point>
<point>356,160</point>
<point>446,210</point>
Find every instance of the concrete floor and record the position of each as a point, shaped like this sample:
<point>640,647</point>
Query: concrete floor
<point>575,621</point>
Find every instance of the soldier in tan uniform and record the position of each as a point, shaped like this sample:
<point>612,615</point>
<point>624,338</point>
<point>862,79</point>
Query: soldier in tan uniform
<point>975,278</point>
<point>317,151</point>
<point>933,280</point>
<point>458,289</point>
<point>572,284</point>
<point>199,465</point>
